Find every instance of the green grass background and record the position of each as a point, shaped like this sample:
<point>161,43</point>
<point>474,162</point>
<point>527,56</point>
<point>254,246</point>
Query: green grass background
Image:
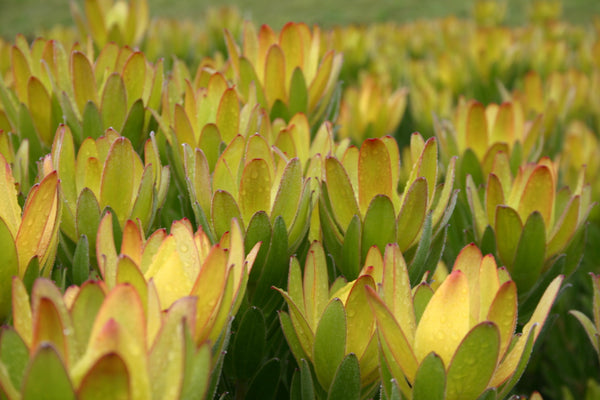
<point>30,16</point>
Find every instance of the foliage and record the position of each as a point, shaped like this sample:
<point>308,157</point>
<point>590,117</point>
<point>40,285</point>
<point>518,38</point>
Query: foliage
<point>221,209</point>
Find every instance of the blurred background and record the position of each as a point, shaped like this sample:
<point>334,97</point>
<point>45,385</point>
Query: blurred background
<point>31,16</point>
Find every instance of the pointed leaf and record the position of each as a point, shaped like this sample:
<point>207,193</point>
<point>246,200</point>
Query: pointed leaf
<point>430,381</point>
<point>346,383</point>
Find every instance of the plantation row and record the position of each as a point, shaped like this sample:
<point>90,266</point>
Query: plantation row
<point>213,208</point>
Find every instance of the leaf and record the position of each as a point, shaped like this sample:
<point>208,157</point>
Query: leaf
<point>412,214</point>
<point>228,115</point>
<point>419,264</point>
<point>430,381</point>
<point>14,355</point>
<point>116,189</point>
<point>473,363</point>
<point>330,342</point>
<point>346,383</point>
<point>292,337</point>
<point>588,326</point>
<point>315,285</point>
<point>107,379</point>
<point>81,261</point>
<point>133,126</point>
<point>437,330</point>
<point>508,231</point>
<point>40,108</point>
<point>92,121</point>
<point>114,103</point>
<point>340,192</point>
<point>249,344</point>
<point>538,195</point>
<point>374,173</point>
<point>9,267</point>
<point>266,381</point>
<point>530,253</point>
<point>274,75</point>
<point>379,227</point>
<point>351,250</point>
<point>87,217</point>
<point>40,217</point>
<point>84,83</point>
<point>393,337</point>
<point>298,98</point>
<point>306,381</point>
<point>46,377</point>
<point>288,193</point>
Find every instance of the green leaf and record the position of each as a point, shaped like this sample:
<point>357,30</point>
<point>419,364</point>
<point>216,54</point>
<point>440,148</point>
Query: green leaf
<point>197,370</point>
<point>346,383</point>
<point>87,217</point>
<point>275,270</point>
<point>9,267</point>
<point>46,377</point>
<point>430,381</point>
<point>379,227</point>
<point>280,110</point>
<point>81,261</point>
<point>351,257</point>
<point>332,239</point>
<point>508,230</point>
<point>512,381</point>
<point>530,253</point>
<point>249,344</point>
<point>298,97</point>
<point>341,194</point>
<point>469,165</point>
<point>116,188</point>
<point>330,342</point>
<point>209,142</point>
<point>27,132</point>
<point>92,121</point>
<point>31,274</point>
<point>473,363</point>
<point>259,230</point>
<point>133,127</point>
<point>224,209</point>
<point>266,381</point>
<point>14,355</point>
<point>423,294</point>
<point>289,192</point>
<point>490,394</point>
<point>291,337</point>
<point>306,381</point>
<point>418,265</point>
<point>412,214</point>
<point>114,103</point>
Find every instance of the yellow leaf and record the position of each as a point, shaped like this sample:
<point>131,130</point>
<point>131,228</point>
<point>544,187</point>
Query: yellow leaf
<point>445,321</point>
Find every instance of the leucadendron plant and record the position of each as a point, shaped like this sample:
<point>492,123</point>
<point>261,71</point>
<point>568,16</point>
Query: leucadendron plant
<point>458,342</point>
<point>28,236</point>
<point>478,132</point>
<point>535,230</point>
<point>49,85</point>
<point>331,330</point>
<point>124,23</point>
<point>371,110</point>
<point>181,263</point>
<point>290,72</point>
<point>266,192</point>
<point>361,204</point>
<point>99,343</point>
<point>106,173</point>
